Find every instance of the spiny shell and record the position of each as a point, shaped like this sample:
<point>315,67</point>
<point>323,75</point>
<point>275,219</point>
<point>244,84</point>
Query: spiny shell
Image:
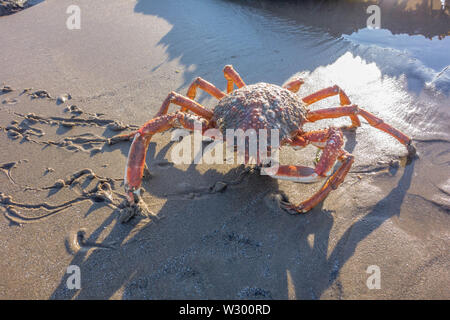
<point>261,106</point>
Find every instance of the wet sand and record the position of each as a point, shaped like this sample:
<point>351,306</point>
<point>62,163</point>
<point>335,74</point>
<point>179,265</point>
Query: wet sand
<point>65,93</point>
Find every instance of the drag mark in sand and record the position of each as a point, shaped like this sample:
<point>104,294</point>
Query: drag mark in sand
<point>11,209</point>
<point>6,89</point>
<point>39,94</point>
<point>113,125</point>
<point>86,142</point>
<point>43,94</point>
<point>10,101</point>
<point>7,167</point>
<point>76,241</point>
<point>101,192</point>
<point>23,130</point>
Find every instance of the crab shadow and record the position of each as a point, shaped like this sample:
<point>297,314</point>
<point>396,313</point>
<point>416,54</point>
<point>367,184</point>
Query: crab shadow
<point>235,244</point>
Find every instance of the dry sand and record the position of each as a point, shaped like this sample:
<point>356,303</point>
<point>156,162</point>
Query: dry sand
<point>57,168</point>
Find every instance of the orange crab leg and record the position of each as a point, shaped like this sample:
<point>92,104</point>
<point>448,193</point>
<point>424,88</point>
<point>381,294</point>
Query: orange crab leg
<point>136,162</point>
<point>138,150</point>
<point>371,119</point>
<point>173,97</point>
<point>331,151</point>
<point>294,85</point>
<point>206,86</point>
<point>232,78</point>
<point>332,91</point>
<point>332,140</point>
<point>331,184</point>
<point>186,104</point>
<point>317,138</point>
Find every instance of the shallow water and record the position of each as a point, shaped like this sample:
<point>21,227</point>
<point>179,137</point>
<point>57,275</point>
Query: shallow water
<point>269,42</point>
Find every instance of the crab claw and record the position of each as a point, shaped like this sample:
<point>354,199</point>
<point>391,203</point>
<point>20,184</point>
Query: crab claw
<point>135,167</point>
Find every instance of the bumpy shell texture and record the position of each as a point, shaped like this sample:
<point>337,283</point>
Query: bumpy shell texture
<point>261,106</point>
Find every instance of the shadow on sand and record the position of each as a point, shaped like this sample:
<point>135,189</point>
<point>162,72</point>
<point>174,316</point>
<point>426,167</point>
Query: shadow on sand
<point>237,232</point>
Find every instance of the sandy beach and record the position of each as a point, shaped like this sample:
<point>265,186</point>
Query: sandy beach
<point>64,93</point>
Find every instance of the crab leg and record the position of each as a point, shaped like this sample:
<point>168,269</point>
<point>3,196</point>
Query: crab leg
<point>317,138</point>
<point>173,97</point>
<point>332,151</point>
<point>331,184</point>
<point>371,119</point>
<point>186,104</point>
<point>332,91</point>
<point>232,78</point>
<point>206,86</point>
<point>138,150</point>
<point>332,141</point>
<point>294,85</point>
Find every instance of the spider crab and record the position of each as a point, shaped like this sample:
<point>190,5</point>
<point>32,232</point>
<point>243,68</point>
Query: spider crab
<point>257,106</point>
